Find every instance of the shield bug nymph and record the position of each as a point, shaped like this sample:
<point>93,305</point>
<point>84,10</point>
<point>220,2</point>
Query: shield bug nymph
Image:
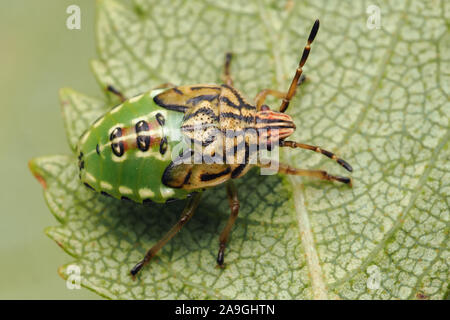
<point>127,153</point>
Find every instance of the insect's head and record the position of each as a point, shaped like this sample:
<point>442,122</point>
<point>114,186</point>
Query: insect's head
<point>273,126</point>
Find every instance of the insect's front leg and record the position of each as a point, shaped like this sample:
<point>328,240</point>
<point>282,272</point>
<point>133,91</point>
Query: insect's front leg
<point>226,70</point>
<point>262,95</point>
<point>321,174</point>
<point>331,155</point>
<point>187,214</point>
<point>234,206</point>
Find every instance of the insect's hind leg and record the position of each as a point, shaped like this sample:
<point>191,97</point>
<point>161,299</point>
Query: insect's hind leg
<point>186,215</point>
<point>226,70</point>
<point>234,206</point>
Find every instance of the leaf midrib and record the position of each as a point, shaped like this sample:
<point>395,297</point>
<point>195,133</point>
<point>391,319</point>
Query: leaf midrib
<point>318,284</point>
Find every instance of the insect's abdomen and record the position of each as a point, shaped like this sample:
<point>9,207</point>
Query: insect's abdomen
<point>125,152</point>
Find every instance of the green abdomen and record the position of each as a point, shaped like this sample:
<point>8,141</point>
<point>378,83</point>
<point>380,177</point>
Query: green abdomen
<point>125,152</point>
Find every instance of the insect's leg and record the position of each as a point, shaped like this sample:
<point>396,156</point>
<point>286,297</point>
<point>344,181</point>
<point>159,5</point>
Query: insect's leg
<point>122,98</point>
<point>320,174</point>
<point>293,144</point>
<point>187,214</point>
<point>262,95</point>
<point>119,94</point>
<point>226,71</point>
<point>234,206</point>
<point>285,103</point>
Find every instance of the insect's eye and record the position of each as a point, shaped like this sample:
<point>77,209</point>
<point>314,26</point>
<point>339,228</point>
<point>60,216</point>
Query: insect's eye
<point>116,133</point>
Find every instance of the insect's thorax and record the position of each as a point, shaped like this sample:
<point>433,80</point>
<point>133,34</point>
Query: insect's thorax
<point>225,123</point>
<point>215,122</point>
<point>125,152</point>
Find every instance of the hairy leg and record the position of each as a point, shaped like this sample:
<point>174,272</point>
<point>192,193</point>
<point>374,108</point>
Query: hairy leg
<point>320,174</point>
<point>234,206</point>
<point>262,95</point>
<point>226,72</point>
<point>293,144</point>
<point>186,215</point>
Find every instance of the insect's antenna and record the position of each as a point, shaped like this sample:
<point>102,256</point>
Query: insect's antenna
<point>285,103</point>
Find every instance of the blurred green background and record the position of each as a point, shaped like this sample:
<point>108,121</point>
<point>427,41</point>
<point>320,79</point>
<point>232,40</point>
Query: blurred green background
<point>38,56</point>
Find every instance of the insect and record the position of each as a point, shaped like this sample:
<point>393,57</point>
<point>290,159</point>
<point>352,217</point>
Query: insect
<point>133,151</point>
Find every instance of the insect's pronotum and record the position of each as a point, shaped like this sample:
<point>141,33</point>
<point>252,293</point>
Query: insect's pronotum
<point>128,152</point>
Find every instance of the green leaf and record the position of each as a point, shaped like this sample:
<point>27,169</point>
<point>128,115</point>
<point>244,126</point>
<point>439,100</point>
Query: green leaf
<point>378,98</point>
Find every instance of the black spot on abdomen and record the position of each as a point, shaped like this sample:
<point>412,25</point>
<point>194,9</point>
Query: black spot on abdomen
<point>89,186</point>
<point>126,199</point>
<point>142,138</point>
<point>117,148</point>
<point>106,194</point>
